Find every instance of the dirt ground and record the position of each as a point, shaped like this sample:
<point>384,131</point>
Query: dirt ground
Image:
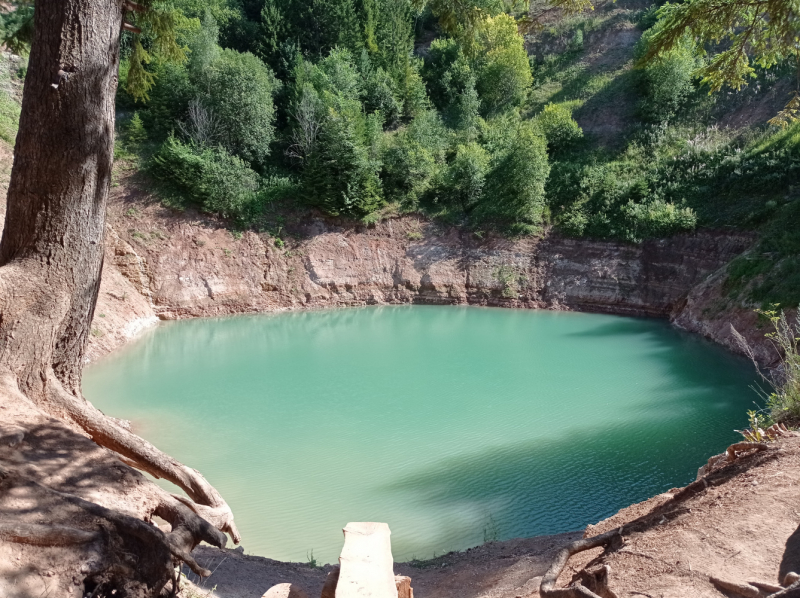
<point>493,570</point>
<point>743,527</point>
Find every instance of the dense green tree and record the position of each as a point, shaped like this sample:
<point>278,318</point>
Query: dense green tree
<point>513,199</point>
<point>666,80</point>
<point>413,158</point>
<point>334,141</point>
<point>238,88</point>
<point>465,177</point>
<point>503,73</point>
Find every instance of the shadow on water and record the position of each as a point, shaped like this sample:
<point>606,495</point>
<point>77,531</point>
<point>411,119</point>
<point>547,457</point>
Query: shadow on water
<point>561,484</point>
<point>695,363</point>
<point>586,474</point>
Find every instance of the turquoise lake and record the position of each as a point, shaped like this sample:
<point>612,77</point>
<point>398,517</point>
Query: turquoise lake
<point>454,425</point>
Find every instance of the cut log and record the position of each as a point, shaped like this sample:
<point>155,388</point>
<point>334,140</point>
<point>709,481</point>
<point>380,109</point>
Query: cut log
<point>367,566</point>
<point>285,590</point>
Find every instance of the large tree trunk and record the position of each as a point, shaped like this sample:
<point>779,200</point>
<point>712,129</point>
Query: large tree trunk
<point>51,253</point>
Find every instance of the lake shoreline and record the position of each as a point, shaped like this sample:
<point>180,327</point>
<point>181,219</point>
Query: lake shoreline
<point>167,265</point>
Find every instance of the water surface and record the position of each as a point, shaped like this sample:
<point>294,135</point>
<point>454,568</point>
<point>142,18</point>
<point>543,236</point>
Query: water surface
<point>454,425</point>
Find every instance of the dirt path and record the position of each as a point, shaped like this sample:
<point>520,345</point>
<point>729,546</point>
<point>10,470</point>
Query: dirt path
<point>494,570</point>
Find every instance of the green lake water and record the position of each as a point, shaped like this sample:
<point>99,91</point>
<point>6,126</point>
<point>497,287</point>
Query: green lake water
<point>453,425</point>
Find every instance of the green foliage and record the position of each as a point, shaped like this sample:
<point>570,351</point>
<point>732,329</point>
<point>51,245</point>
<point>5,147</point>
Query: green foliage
<point>317,27</point>
<point>499,71</point>
<point>514,200</point>
<point>379,91</point>
<point>335,141</point>
<point>16,26</point>
<point>783,403</point>
<point>413,158</point>
<point>462,19</point>
<point>136,133</point>
<point>211,178</point>
<point>465,176</point>
<point>558,127</point>
<point>238,89</point>
<point>161,24</point>
<point>502,72</point>
<point>761,33</point>
<point>447,72</point>
<point>666,81</point>
<point>168,99</point>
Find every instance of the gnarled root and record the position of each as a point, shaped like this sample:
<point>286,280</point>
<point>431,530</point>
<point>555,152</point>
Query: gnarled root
<point>205,501</point>
<point>548,587</point>
<point>131,553</point>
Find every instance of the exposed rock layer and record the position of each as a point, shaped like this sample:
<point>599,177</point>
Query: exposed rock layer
<point>172,266</point>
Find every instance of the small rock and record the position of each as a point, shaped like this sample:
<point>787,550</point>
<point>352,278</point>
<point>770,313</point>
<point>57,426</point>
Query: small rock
<point>790,578</point>
<point>285,590</point>
<point>239,549</point>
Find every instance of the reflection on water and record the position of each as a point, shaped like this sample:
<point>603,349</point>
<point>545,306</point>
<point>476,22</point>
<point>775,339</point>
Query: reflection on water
<point>451,424</point>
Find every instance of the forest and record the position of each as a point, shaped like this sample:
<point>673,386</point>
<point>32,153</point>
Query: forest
<point>366,109</point>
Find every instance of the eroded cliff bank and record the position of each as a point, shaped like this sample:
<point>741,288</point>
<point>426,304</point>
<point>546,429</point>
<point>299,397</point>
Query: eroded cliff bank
<point>166,265</point>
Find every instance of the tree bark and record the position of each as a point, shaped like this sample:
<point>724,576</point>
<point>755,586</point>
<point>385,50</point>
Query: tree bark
<point>51,252</point>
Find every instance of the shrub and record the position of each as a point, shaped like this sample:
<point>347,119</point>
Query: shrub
<point>465,176</point>
<point>238,88</point>
<point>656,218</point>
<point>667,82</point>
<point>413,158</point>
<point>503,73</point>
<point>783,402</point>
<point>135,130</point>
<point>211,178</point>
<point>558,126</point>
<point>513,200</point>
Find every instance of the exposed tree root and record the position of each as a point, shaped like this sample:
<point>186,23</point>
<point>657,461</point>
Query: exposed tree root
<point>205,501</point>
<point>548,587</point>
<point>793,591</point>
<point>132,550</point>
<point>44,535</point>
<point>127,556</point>
<point>742,447</point>
<point>741,589</point>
